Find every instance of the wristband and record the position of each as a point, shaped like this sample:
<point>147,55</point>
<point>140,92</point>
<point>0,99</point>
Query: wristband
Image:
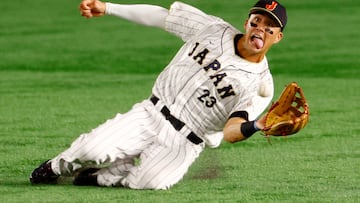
<point>248,128</point>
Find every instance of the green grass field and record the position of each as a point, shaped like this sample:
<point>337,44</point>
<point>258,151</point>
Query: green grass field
<point>62,75</point>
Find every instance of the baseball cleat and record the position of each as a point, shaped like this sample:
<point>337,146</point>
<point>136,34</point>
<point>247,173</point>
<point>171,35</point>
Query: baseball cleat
<point>43,174</point>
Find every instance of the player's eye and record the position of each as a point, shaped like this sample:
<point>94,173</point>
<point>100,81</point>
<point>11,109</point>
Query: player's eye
<point>268,30</point>
<point>253,24</point>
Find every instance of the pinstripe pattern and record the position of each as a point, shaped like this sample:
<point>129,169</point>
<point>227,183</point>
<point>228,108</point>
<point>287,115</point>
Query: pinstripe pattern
<point>118,138</point>
<point>202,86</point>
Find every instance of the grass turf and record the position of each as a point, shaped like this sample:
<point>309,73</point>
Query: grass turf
<point>61,75</point>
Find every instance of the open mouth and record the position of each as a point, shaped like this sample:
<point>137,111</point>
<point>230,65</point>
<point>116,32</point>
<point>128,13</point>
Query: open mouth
<point>258,41</point>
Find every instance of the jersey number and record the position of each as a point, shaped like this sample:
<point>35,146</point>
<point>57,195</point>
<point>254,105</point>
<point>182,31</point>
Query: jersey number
<point>206,99</point>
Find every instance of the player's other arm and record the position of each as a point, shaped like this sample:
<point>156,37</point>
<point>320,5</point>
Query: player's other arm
<point>150,15</point>
<point>238,129</point>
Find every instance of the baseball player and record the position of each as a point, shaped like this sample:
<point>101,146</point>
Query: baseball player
<point>214,89</point>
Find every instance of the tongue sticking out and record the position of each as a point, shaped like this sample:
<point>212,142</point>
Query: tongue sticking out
<point>258,43</point>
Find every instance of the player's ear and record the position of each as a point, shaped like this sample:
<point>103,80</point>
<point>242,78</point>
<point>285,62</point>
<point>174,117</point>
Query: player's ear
<point>278,37</point>
<point>245,23</point>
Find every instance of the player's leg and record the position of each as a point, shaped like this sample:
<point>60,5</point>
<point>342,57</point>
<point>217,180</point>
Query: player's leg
<point>118,138</point>
<point>162,164</point>
<point>121,137</point>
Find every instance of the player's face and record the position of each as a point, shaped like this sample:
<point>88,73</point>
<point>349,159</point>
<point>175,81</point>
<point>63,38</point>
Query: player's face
<point>261,33</point>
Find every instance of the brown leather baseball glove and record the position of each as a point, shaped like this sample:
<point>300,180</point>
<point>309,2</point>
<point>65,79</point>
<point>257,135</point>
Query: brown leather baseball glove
<point>289,114</point>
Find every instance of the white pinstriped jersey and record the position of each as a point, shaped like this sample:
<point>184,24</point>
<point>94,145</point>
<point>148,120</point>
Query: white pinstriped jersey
<point>206,81</point>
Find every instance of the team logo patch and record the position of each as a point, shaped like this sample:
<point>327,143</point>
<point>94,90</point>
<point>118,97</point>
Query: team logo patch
<point>271,6</point>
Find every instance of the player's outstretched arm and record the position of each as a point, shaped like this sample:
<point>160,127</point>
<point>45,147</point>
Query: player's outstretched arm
<point>144,14</point>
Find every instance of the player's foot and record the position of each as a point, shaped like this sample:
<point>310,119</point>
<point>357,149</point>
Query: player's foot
<point>43,174</point>
<point>86,177</point>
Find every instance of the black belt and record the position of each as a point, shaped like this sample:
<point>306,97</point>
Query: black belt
<point>176,123</point>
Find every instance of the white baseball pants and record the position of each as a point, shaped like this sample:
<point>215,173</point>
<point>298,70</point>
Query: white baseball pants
<point>164,153</point>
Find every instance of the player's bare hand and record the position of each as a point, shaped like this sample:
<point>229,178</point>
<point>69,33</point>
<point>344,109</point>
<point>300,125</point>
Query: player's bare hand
<point>92,8</point>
